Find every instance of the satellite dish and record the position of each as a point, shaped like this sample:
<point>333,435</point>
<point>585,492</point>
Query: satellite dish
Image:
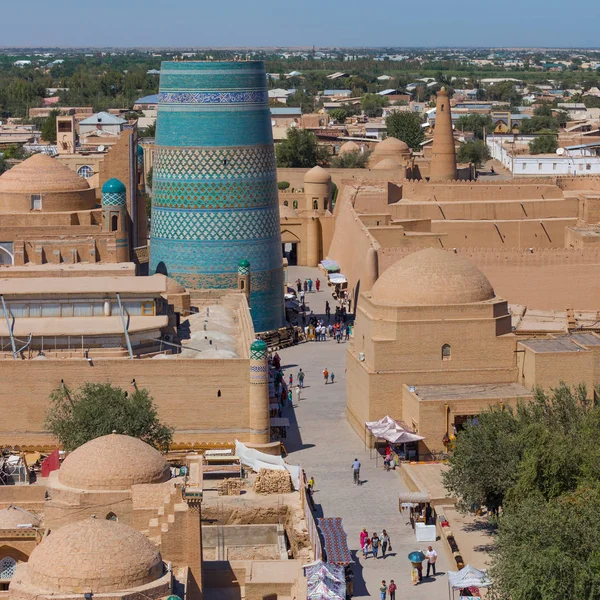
<point>560,151</point>
<point>101,148</point>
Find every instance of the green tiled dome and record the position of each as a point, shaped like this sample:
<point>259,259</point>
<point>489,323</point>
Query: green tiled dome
<point>114,186</point>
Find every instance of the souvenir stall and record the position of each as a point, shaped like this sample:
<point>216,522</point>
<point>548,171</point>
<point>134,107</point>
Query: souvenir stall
<point>419,513</point>
<point>469,582</point>
<point>401,442</point>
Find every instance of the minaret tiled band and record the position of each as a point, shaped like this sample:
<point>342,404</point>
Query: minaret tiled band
<point>215,183</point>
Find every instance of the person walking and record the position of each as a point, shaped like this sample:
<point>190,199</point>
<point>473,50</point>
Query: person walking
<point>311,483</point>
<point>318,284</point>
<point>347,332</point>
<point>291,380</point>
<point>356,471</point>
<point>392,589</point>
<point>300,378</point>
<point>327,310</point>
<point>383,590</point>
<point>367,546</point>
<point>305,285</point>
<point>385,543</point>
<point>331,376</point>
<point>431,555</point>
<point>326,375</point>
<point>302,293</point>
<point>298,392</point>
<point>310,282</point>
<point>363,536</point>
<point>290,396</point>
<point>298,285</point>
<point>375,543</point>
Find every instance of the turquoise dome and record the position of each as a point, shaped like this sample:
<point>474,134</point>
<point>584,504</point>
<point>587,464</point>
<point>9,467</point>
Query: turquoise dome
<point>114,186</point>
<point>244,263</point>
<point>258,350</point>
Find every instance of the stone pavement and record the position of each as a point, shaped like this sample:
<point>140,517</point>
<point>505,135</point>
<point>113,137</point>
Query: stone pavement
<point>323,443</point>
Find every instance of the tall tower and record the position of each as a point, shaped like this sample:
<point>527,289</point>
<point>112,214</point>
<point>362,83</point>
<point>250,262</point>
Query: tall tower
<point>259,393</point>
<point>443,158</point>
<point>215,198</point>
<point>114,215</point>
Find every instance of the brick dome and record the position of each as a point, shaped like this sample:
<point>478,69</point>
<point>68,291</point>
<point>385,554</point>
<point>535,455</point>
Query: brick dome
<point>39,174</point>
<point>113,462</point>
<point>432,277</point>
<point>391,146</point>
<point>348,147</point>
<point>13,516</point>
<point>93,555</point>
<point>387,163</point>
<point>317,175</point>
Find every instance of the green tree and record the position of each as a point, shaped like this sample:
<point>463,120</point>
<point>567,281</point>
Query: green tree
<point>338,115</point>
<point>406,126</point>
<point>301,150</point>
<point>372,104</point>
<point>538,123</point>
<point>283,185</point>
<point>96,409</point>
<point>543,144</point>
<point>476,124</point>
<point>49,127</point>
<point>3,165</point>
<point>351,160</point>
<point>483,467</point>
<point>150,131</point>
<point>476,152</point>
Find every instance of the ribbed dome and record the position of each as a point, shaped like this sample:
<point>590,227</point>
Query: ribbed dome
<point>391,145</point>
<point>12,517</point>
<point>432,277</point>
<point>39,174</point>
<point>317,175</point>
<point>94,555</point>
<point>387,163</point>
<point>113,462</point>
<point>348,147</point>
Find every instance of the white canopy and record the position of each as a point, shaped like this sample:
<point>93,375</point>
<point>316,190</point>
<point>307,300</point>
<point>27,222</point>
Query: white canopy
<point>468,576</point>
<point>337,278</point>
<point>392,431</point>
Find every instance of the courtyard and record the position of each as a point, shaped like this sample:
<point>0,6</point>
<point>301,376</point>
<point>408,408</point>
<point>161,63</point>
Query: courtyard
<point>323,443</point>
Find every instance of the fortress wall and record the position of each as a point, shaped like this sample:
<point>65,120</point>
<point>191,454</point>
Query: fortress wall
<point>296,176</point>
<point>476,191</point>
<point>486,210</point>
<point>351,243</point>
<point>512,234</point>
<point>184,390</point>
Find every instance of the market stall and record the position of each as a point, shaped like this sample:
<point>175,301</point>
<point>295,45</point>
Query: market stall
<point>325,581</point>
<point>397,435</point>
<point>335,544</point>
<point>421,515</point>
<point>468,581</point>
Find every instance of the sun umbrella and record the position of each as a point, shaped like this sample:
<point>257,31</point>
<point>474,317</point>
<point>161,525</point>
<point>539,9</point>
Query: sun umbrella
<point>416,557</point>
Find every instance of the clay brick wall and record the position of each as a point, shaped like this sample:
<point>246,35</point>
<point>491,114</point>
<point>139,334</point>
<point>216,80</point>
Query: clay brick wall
<point>185,392</point>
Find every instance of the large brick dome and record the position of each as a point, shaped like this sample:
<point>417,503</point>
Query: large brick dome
<point>93,555</point>
<point>113,462</point>
<point>432,277</point>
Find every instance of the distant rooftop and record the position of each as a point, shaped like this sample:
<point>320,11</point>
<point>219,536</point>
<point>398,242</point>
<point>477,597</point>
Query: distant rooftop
<point>473,391</point>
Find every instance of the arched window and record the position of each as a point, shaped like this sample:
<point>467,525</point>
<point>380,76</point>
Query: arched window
<point>85,171</point>
<point>114,223</point>
<point>286,203</point>
<point>7,567</point>
<point>111,517</point>
<point>446,352</point>
<point>218,393</point>
<point>315,205</point>
<point>295,204</point>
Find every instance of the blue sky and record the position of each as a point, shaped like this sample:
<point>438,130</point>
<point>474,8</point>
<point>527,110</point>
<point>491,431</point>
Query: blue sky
<point>319,22</point>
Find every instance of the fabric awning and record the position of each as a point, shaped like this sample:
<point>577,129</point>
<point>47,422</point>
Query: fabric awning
<point>395,432</point>
<point>415,497</point>
<point>468,576</point>
<point>335,543</point>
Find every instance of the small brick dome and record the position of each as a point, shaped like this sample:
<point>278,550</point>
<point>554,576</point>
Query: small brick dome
<point>432,277</point>
<point>317,175</point>
<point>13,516</point>
<point>93,555</point>
<point>113,462</point>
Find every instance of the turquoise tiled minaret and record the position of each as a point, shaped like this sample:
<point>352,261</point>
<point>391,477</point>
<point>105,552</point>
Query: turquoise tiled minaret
<point>215,184</point>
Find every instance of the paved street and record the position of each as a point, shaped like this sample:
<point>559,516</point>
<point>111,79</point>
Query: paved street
<point>323,443</point>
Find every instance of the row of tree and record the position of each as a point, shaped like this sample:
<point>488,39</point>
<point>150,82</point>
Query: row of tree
<point>537,469</point>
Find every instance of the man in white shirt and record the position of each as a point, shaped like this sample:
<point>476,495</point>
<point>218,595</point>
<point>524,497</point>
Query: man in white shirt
<point>431,555</point>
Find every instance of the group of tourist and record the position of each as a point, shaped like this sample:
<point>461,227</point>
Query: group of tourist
<point>307,285</point>
<point>371,545</point>
<point>319,331</point>
<point>385,589</point>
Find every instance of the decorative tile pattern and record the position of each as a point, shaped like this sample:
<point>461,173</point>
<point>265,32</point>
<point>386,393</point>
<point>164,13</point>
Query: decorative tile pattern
<point>206,164</point>
<point>215,198</point>
<point>214,225</point>
<point>246,96</point>
<point>112,199</point>
<point>214,194</point>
